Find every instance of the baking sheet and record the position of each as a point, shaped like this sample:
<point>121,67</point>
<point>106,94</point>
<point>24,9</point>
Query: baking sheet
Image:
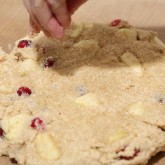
<point>147,14</point>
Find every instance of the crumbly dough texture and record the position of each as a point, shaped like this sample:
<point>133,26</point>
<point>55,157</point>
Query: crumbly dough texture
<point>100,102</point>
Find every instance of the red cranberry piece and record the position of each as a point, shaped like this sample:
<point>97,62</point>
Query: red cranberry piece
<point>24,91</point>
<point>1,132</point>
<point>136,152</point>
<point>24,43</point>
<point>37,123</point>
<point>49,62</point>
<point>116,22</point>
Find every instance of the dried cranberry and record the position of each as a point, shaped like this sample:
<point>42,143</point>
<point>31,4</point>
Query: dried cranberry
<point>1,132</point>
<point>37,123</point>
<point>136,152</point>
<point>24,91</point>
<point>48,62</point>
<point>24,43</point>
<point>116,22</point>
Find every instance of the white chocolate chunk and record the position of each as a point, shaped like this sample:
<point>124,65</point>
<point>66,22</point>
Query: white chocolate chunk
<point>131,60</point>
<point>27,66</point>
<point>76,31</point>
<point>136,109</point>
<point>159,42</point>
<point>87,44</point>
<point>120,134</point>
<point>46,147</point>
<point>6,89</point>
<point>14,127</point>
<point>129,34</point>
<point>88,100</point>
<point>29,53</point>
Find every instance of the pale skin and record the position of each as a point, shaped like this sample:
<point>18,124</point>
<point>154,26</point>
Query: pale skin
<point>51,16</point>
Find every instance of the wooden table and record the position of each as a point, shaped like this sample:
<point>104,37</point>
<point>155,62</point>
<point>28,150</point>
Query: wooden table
<point>148,14</point>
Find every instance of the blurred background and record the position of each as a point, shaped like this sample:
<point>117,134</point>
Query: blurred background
<point>146,14</point>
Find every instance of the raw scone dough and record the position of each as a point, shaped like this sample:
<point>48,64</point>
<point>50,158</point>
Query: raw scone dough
<point>97,97</point>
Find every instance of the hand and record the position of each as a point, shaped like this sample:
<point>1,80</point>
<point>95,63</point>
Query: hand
<point>51,16</point>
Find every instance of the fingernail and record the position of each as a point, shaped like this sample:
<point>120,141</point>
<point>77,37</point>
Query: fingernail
<point>55,29</point>
<point>60,32</point>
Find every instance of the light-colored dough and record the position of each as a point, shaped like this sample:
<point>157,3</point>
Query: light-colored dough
<point>102,102</point>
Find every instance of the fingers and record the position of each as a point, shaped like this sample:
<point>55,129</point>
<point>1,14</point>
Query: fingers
<point>51,15</point>
<point>60,11</point>
<point>42,12</point>
<point>42,17</point>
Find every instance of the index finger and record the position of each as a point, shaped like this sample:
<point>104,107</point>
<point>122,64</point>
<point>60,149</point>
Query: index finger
<point>60,11</point>
<point>42,13</point>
